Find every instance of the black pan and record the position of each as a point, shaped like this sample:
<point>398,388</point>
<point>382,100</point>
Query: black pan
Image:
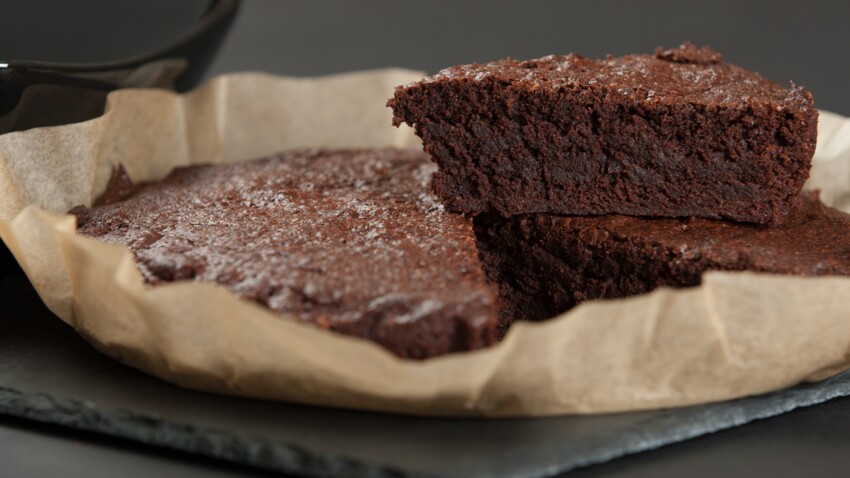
<point>37,93</point>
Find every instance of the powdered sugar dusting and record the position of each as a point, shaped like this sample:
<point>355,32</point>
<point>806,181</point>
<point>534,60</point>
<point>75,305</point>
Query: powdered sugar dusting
<point>318,234</point>
<point>687,73</point>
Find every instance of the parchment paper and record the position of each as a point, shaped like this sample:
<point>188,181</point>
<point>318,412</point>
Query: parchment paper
<point>737,334</point>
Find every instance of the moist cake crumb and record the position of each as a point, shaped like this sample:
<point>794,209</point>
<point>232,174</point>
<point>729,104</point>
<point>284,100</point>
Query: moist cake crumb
<point>675,134</point>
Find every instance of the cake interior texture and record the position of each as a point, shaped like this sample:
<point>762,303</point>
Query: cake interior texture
<point>347,240</point>
<point>547,264</point>
<point>675,134</point>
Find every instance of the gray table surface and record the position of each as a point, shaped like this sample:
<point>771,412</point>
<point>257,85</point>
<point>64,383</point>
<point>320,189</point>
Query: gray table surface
<point>784,40</point>
<point>807,442</point>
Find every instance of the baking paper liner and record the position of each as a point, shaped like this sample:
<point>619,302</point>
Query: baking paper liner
<point>737,334</point>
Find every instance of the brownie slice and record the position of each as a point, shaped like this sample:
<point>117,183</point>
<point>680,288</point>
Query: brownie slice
<point>546,264</point>
<point>675,134</point>
<point>350,241</point>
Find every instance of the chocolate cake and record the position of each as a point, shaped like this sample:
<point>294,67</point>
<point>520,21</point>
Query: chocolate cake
<point>546,264</point>
<point>675,134</point>
<point>350,241</point>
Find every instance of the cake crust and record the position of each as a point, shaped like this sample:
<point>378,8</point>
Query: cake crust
<point>675,134</point>
<point>349,240</point>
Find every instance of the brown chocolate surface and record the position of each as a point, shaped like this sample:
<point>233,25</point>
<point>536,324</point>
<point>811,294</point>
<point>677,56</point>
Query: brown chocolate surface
<point>675,134</point>
<point>547,264</point>
<point>349,240</point>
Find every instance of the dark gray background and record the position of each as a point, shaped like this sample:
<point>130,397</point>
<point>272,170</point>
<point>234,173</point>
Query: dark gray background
<point>801,41</point>
<point>805,42</point>
<point>87,31</point>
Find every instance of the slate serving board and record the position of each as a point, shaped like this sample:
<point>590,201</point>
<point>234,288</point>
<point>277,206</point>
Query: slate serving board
<point>48,374</point>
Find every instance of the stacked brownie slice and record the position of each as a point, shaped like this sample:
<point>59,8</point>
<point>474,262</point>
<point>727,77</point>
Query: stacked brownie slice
<point>593,179</point>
